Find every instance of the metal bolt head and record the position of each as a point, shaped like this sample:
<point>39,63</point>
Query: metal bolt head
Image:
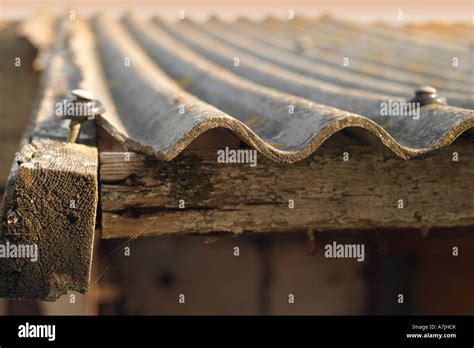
<point>82,94</point>
<point>425,95</point>
<point>80,105</point>
<point>425,90</point>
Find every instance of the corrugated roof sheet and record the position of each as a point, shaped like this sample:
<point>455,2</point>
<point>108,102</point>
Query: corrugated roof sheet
<point>288,93</point>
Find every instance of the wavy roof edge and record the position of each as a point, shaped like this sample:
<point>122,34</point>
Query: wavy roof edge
<point>440,131</point>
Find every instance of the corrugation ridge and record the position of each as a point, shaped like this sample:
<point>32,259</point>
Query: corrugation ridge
<point>221,39</point>
<point>376,37</point>
<point>315,53</point>
<point>202,40</point>
<point>279,28</point>
<point>252,139</point>
<point>460,33</point>
<point>405,53</point>
<point>384,31</point>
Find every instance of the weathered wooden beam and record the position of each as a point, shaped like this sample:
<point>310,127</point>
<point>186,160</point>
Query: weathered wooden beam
<point>194,194</point>
<point>51,197</point>
<point>50,206</point>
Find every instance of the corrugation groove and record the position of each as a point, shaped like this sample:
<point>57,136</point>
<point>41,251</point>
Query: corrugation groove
<point>215,42</point>
<point>283,34</point>
<point>370,43</point>
<point>400,35</point>
<point>274,76</point>
<point>249,38</point>
<point>234,45</point>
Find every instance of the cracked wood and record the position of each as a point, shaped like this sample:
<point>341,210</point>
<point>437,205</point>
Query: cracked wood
<point>52,193</point>
<point>51,202</point>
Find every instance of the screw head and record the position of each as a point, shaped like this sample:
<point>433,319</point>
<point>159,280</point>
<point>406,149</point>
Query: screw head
<point>82,94</point>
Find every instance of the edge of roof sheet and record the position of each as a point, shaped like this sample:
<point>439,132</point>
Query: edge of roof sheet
<point>251,138</point>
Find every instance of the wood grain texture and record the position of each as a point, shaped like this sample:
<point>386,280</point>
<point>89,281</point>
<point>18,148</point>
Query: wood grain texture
<point>52,193</point>
<point>52,203</point>
<point>142,195</point>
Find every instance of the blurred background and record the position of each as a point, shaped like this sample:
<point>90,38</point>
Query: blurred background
<point>269,267</point>
<point>358,10</point>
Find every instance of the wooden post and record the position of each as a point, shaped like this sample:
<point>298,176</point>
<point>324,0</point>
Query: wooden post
<point>49,212</point>
<point>50,205</point>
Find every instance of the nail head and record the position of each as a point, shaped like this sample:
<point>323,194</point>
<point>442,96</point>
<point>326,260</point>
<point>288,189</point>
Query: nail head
<point>82,94</point>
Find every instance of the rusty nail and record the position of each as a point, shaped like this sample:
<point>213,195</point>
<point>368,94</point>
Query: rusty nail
<point>74,131</point>
<point>75,124</point>
<point>425,95</point>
